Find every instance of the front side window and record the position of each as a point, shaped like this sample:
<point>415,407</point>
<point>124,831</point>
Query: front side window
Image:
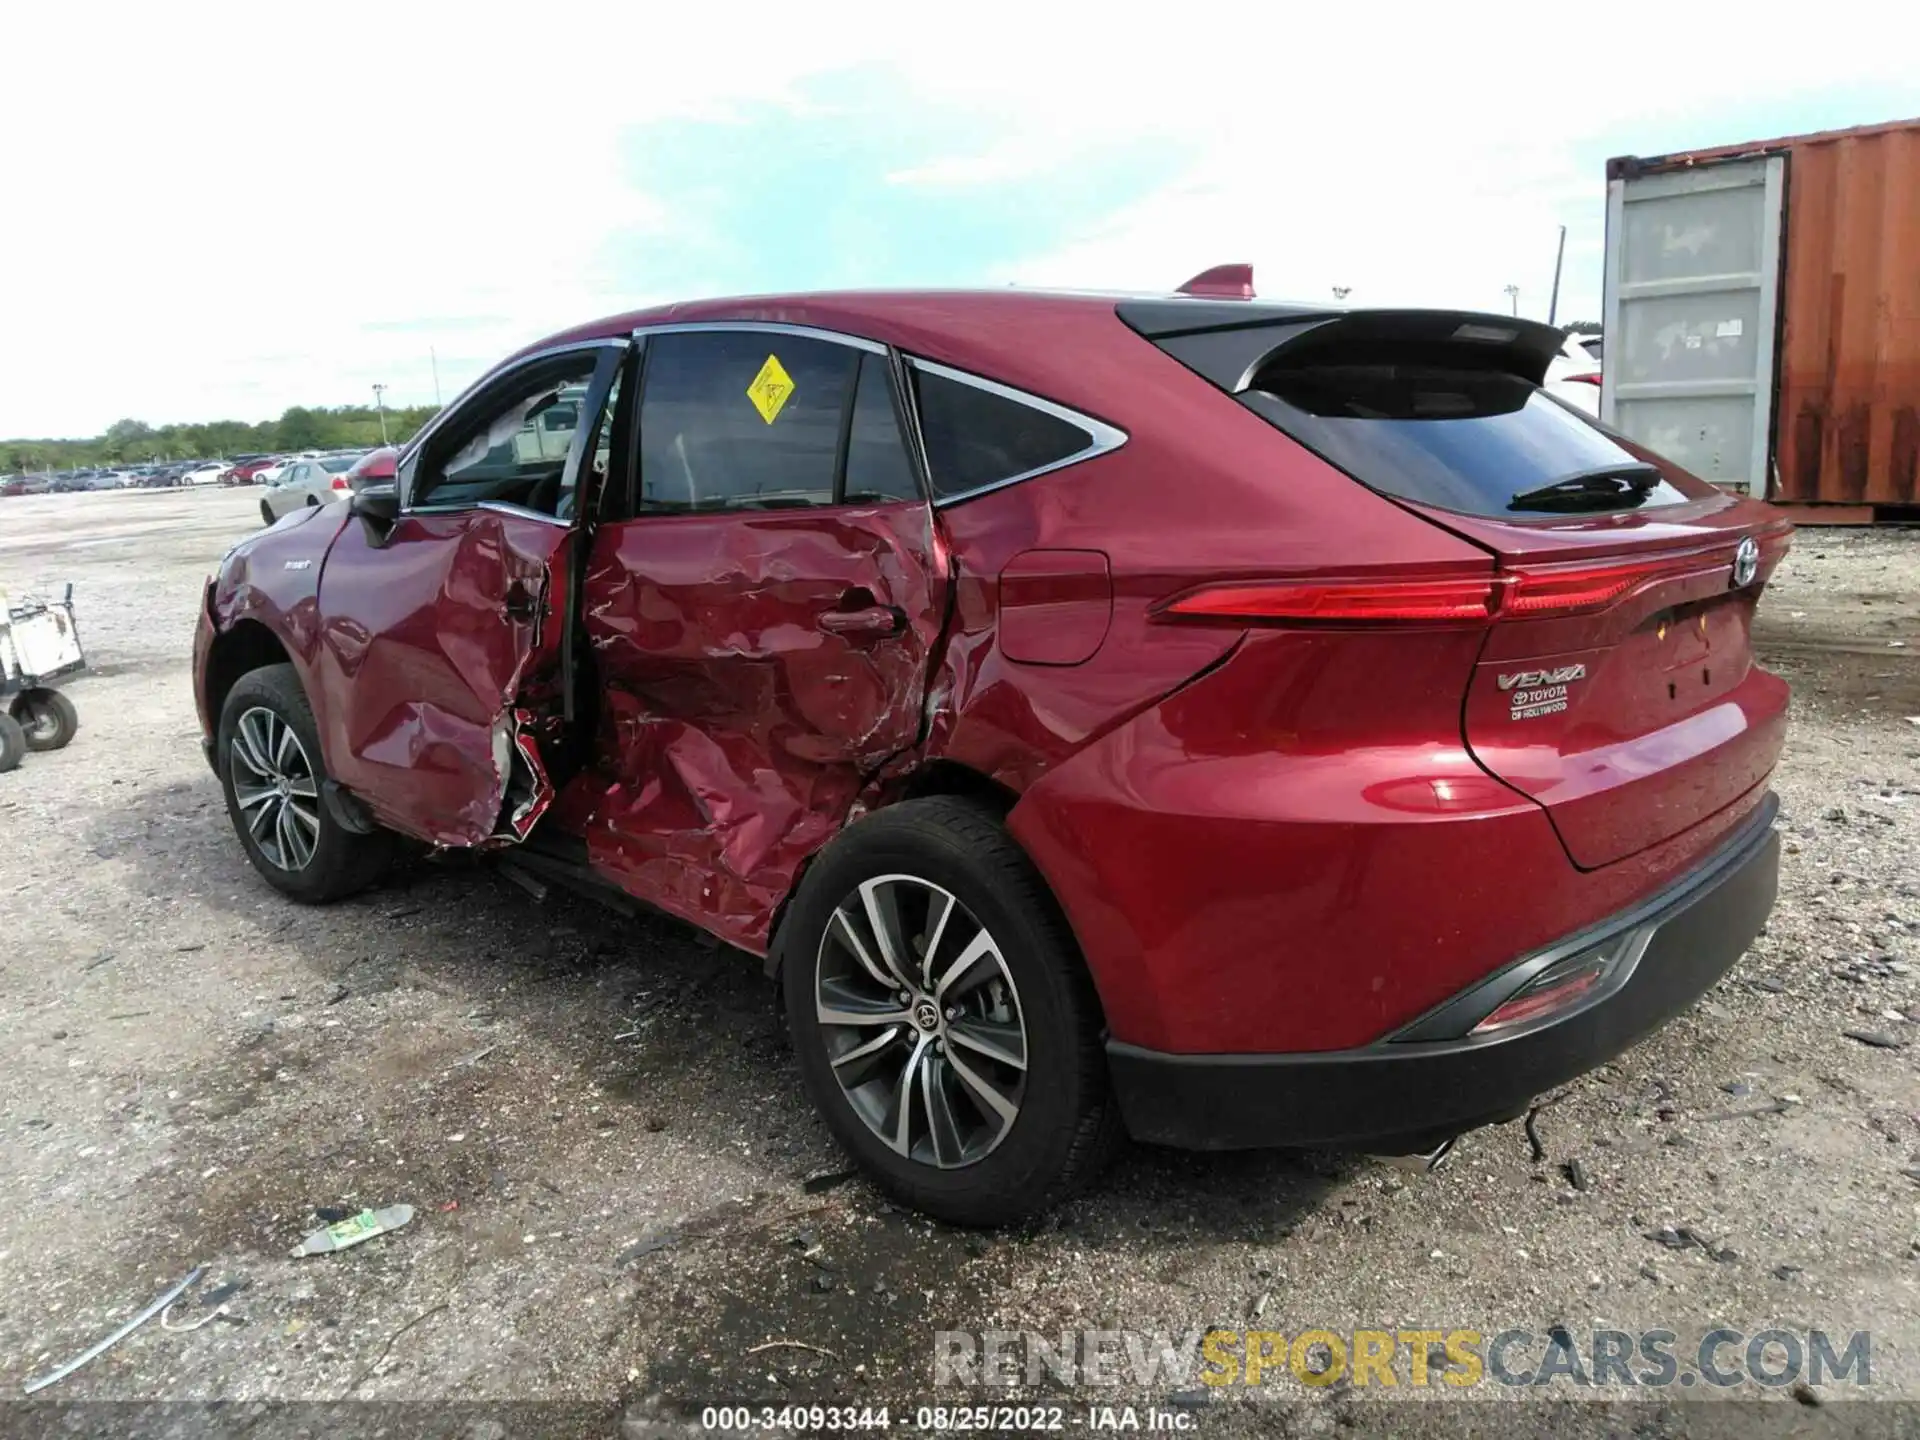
<point>979,436</point>
<point>516,451</point>
<point>741,420</point>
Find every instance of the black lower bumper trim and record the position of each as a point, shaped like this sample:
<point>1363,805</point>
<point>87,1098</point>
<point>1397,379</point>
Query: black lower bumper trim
<point>1407,1094</point>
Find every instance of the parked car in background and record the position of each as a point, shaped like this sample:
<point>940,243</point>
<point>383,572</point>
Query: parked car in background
<point>205,472</point>
<point>1237,724</point>
<point>1574,375</point>
<point>25,485</point>
<point>307,483</point>
<point>246,470</point>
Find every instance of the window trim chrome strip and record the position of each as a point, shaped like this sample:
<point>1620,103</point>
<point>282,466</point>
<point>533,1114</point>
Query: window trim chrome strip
<point>1102,438</point>
<point>762,327</point>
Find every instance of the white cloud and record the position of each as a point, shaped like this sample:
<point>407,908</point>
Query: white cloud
<point>212,204</point>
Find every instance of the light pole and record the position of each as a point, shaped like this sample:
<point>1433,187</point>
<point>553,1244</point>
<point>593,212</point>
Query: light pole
<point>1513,295</point>
<point>380,404</point>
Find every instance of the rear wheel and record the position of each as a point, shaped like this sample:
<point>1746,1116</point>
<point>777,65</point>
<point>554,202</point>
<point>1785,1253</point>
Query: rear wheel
<point>271,769</point>
<point>13,743</point>
<point>47,717</point>
<point>266,515</point>
<point>942,1018</point>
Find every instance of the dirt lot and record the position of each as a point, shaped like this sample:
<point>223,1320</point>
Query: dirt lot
<point>600,1130</point>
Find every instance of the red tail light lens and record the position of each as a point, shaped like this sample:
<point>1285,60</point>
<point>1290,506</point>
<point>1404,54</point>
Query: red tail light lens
<point>1405,601</point>
<point>339,482</point>
<point>1590,379</point>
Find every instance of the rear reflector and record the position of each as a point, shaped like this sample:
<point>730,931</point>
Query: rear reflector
<point>1524,593</point>
<point>1559,987</point>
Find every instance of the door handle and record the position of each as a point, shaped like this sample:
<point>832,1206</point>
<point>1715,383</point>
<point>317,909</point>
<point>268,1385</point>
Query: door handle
<point>870,621</point>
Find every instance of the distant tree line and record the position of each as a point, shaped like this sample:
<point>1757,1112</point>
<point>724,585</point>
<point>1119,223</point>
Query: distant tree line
<point>134,442</point>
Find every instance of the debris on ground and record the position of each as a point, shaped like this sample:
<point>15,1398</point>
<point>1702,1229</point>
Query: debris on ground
<point>345,1234</point>
<point>791,1345</point>
<point>828,1180</point>
<point>53,1377</point>
<point>647,1244</point>
<point>213,1306</point>
<point>1878,1039</point>
<point>387,1349</point>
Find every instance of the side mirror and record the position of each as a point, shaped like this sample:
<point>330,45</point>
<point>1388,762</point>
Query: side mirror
<point>378,507</point>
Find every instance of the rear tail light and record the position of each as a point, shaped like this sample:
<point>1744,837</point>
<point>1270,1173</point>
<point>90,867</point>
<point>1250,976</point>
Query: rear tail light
<point>1589,379</point>
<point>1523,593</point>
<point>1394,600</point>
<point>340,482</point>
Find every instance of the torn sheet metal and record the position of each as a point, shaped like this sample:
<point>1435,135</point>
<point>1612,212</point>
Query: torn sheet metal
<point>739,717</point>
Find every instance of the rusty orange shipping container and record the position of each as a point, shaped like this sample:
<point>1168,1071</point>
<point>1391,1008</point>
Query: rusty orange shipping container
<point>1763,316</point>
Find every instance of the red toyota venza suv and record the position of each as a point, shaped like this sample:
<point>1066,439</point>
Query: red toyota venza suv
<point>1228,723</point>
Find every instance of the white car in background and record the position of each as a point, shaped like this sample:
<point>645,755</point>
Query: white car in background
<point>307,482</point>
<point>208,473</point>
<point>1574,374</point>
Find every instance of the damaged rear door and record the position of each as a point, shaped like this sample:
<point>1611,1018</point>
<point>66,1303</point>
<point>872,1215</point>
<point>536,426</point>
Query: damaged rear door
<point>762,609</point>
<point>446,652</point>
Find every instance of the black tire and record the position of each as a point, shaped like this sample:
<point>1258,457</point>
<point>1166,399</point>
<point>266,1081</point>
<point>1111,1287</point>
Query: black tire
<point>1067,1126</point>
<point>13,743</point>
<point>342,862</point>
<point>47,717</point>
<point>266,515</point>
<point>313,502</point>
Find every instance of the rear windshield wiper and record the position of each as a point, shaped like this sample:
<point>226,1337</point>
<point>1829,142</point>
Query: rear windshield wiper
<point>1606,488</point>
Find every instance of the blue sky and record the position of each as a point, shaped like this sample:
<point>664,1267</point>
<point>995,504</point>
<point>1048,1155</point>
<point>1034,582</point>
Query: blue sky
<point>484,182</point>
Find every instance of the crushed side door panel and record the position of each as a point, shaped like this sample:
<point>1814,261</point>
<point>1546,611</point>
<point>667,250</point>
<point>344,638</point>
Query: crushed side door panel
<point>438,657</point>
<point>756,669</point>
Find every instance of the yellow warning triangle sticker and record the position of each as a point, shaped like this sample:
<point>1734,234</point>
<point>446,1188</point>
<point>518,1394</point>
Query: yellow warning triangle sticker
<point>770,388</point>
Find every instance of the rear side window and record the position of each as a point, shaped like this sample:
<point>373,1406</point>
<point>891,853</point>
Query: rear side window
<point>1481,442</point>
<point>980,435</point>
<point>741,420</point>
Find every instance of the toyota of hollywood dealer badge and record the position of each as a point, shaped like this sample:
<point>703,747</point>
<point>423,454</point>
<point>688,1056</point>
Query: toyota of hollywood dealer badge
<point>1533,693</point>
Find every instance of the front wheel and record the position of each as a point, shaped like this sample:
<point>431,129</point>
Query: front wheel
<point>47,718</point>
<point>271,769</point>
<point>943,1021</point>
<point>266,514</point>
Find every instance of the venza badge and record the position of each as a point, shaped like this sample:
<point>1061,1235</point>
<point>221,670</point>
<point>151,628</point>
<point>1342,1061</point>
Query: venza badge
<point>1540,692</point>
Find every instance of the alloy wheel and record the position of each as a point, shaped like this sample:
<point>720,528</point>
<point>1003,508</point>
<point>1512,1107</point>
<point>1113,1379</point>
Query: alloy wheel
<point>275,786</point>
<point>921,1021</point>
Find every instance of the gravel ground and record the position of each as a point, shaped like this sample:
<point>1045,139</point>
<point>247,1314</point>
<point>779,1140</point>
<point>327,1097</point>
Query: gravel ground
<point>620,1193</point>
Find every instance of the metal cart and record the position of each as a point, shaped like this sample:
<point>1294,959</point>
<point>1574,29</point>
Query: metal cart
<point>39,644</point>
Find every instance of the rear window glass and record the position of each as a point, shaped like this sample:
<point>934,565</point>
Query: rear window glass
<point>1481,442</point>
<point>977,437</point>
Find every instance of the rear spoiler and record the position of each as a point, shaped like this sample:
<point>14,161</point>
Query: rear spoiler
<point>1229,342</point>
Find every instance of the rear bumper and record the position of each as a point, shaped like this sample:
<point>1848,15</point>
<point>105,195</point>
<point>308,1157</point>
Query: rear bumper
<point>1432,1079</point>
